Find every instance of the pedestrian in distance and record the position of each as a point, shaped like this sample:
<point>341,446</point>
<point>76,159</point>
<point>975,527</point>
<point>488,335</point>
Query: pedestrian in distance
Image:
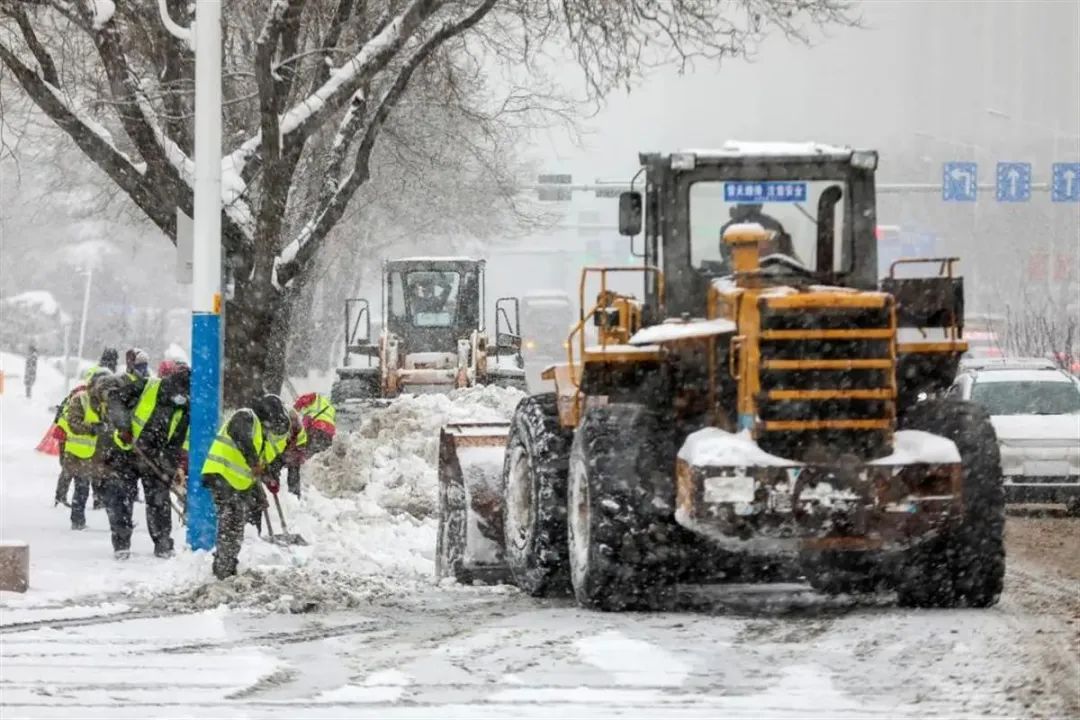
<point>30,371</point>
<point>242,456</point>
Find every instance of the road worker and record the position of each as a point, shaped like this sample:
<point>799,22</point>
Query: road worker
<point>241,457</point>
<point>82,422</point>
<point>159,425</point>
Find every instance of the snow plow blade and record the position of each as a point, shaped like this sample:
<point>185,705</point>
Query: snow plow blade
<point>470,542</point>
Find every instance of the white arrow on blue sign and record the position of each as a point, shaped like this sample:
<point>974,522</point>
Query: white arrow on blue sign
<point>1013,182</point>
<point>959,182</point>
<point>1065,182</point>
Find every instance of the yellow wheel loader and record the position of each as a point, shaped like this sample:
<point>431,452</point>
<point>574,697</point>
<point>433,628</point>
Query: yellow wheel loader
<point>432,336</point>
<point>765,401</point>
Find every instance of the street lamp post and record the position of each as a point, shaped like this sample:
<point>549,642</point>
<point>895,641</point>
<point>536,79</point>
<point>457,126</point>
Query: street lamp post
<point>85,312</point>
<point>206,303</point>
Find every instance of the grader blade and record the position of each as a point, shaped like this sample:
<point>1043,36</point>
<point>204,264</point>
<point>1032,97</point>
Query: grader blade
<point>470,541</point>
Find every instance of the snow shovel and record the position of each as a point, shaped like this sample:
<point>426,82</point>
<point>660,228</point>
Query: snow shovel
<point>284,537</point>
<point>173,492</point>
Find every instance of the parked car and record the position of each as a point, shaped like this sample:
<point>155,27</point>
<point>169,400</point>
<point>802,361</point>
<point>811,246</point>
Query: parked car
<point>1034,407</point>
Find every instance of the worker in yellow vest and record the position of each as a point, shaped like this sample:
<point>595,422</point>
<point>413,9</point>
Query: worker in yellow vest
<point>82,421</point>
<point>241,456</point>
<point>159,424</point>
<point>315,434</point>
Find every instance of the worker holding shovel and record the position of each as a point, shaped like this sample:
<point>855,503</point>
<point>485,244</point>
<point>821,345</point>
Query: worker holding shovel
<point>242,456</point>
<point>159,426</point>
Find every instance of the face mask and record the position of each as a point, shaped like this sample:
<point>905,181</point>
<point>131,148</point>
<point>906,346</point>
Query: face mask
<point>141,370</point>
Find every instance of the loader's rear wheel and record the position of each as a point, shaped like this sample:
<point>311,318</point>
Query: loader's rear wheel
<point>534,478</point>
<point>966,563</point>
<point>624,543</point>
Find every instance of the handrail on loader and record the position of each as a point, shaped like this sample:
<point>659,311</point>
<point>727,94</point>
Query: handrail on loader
<point>579,328</point>
<point>946,267</point>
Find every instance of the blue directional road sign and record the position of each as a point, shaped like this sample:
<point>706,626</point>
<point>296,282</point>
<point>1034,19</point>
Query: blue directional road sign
<point>1013,182</point>
<point>1065,182</point>
<point>752,191</point>
<point>960,182</point>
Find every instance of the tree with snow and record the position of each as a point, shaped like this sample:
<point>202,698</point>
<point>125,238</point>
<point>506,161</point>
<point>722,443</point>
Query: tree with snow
<point>312,87</point>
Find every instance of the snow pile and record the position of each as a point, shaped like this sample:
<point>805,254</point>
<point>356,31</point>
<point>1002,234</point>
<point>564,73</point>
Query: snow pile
<point>716,447</point>
<point>915,446</point>
<point>368,514</point>
<point>393,456</point>
<point>291,590</point>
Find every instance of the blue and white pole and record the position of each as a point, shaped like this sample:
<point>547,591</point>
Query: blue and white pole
<point>206,304</point>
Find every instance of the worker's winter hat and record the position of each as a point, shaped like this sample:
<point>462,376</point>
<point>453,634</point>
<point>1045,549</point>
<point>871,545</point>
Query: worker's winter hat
<point>109,358</point>
<point>271,412</point>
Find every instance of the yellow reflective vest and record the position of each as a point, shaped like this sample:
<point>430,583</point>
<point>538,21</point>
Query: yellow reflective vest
<point>226,459</point>
<point>79,446</point>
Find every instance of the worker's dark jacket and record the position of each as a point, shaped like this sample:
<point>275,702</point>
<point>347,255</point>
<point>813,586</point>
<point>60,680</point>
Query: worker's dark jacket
<point>160,440</point>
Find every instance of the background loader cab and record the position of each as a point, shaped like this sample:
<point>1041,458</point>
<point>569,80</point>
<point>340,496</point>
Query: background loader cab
<point>756,408</point>
<point>432,337</point>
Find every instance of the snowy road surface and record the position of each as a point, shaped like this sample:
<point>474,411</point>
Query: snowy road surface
<point>353,627</point>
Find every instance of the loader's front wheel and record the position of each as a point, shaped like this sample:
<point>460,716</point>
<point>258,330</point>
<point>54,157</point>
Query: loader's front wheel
<point>534,478</point>
<point>624,543</point>
<point>966,563</point>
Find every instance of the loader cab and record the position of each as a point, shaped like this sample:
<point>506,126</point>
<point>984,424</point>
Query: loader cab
<point>818,201</point>
<point>431,303</point>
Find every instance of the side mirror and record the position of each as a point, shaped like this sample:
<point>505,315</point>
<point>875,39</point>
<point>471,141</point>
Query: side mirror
<point>629,213</point>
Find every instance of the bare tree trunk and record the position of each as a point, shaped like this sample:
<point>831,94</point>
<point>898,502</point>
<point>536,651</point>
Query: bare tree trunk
<point>256,332</point>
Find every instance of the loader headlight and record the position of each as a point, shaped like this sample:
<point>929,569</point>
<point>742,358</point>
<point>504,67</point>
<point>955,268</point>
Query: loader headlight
<point>530,345</point>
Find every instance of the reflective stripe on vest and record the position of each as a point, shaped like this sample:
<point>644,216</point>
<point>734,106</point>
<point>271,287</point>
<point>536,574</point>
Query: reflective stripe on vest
<point>173,423</point>
<point>145,408</point>
<point>80,446</point>
<point>225,459</point>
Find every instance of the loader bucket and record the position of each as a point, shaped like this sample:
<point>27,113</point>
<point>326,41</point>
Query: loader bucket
<point>470,541</point>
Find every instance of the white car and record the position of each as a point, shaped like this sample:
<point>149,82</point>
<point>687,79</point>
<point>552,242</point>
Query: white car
<point>1035,410</point>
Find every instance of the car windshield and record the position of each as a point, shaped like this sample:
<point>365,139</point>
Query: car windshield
<point>543,317</point>
<point>428,297</point>
<point>1028,397</point>
<point>790,209</point>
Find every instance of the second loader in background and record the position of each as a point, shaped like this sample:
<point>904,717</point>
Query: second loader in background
<point>432,336</point>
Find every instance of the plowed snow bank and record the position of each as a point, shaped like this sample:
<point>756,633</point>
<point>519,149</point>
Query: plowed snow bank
<point>368,513</point>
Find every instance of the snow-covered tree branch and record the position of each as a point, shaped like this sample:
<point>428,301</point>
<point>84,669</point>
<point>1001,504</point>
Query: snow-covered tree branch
<point>311,88</point>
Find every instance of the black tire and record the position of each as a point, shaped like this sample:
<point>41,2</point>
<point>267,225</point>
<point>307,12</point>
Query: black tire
<point>835,572</point>
<point>354,388</point>
<point>534,511</point>
<point>450,541</point>
<point>625,548</point>
<point>965,565</point>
